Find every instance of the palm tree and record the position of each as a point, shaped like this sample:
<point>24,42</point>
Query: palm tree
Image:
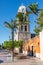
<point>23,17</point>
<point>34,8</point>
<point>12,27</point>
<point>37,30</point>
<point>39,22</point>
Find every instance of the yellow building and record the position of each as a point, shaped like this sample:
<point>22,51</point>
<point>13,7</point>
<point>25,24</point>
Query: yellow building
<point>35,43</point>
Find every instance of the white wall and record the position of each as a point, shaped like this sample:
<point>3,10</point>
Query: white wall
<point>41,44</point>
<point>38,55</point>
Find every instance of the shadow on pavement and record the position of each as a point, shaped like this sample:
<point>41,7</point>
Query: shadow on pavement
<point>1,61</point>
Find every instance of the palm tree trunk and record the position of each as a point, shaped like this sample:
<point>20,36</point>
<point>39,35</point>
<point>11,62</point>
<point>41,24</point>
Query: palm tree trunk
<point>12,44</point>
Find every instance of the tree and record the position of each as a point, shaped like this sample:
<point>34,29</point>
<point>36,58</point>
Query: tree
<point>37,30</point>
<point>12,27</point>
<point>8,44</point>
<point>34,8</point>
<point>17,43</point>
<point>23,17</point>
<point>39,22</point>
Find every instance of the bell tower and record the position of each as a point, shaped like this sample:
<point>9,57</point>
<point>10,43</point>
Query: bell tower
<point>23,32</point>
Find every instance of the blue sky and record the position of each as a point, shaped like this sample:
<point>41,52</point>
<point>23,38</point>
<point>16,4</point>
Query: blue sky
<point>8,11</point>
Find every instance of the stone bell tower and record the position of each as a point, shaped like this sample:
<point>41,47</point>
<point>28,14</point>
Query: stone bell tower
<point>23,32</point>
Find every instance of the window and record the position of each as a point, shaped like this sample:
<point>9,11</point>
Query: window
<point>25,28</point>
<point>21,28</point>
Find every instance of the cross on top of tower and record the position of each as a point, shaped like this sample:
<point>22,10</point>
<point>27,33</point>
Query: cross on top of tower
<point>22,8</point>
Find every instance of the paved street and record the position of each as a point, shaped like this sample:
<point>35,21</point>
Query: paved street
<point>4,57</point>
<point>30,61</point>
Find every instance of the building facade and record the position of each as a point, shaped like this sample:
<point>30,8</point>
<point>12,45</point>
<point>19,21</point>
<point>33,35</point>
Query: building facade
<point>23,31</point>
<point>35,45</point>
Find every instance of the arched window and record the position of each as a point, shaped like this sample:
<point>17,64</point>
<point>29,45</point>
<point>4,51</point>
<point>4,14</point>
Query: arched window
<point>21,28</point>
<point>25,28</point>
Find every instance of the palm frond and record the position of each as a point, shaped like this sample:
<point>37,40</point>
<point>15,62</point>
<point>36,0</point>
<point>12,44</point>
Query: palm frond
<point>37,30</point>
<point>8,25</point>
<point>34,8</point>
<point>28,12</point>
